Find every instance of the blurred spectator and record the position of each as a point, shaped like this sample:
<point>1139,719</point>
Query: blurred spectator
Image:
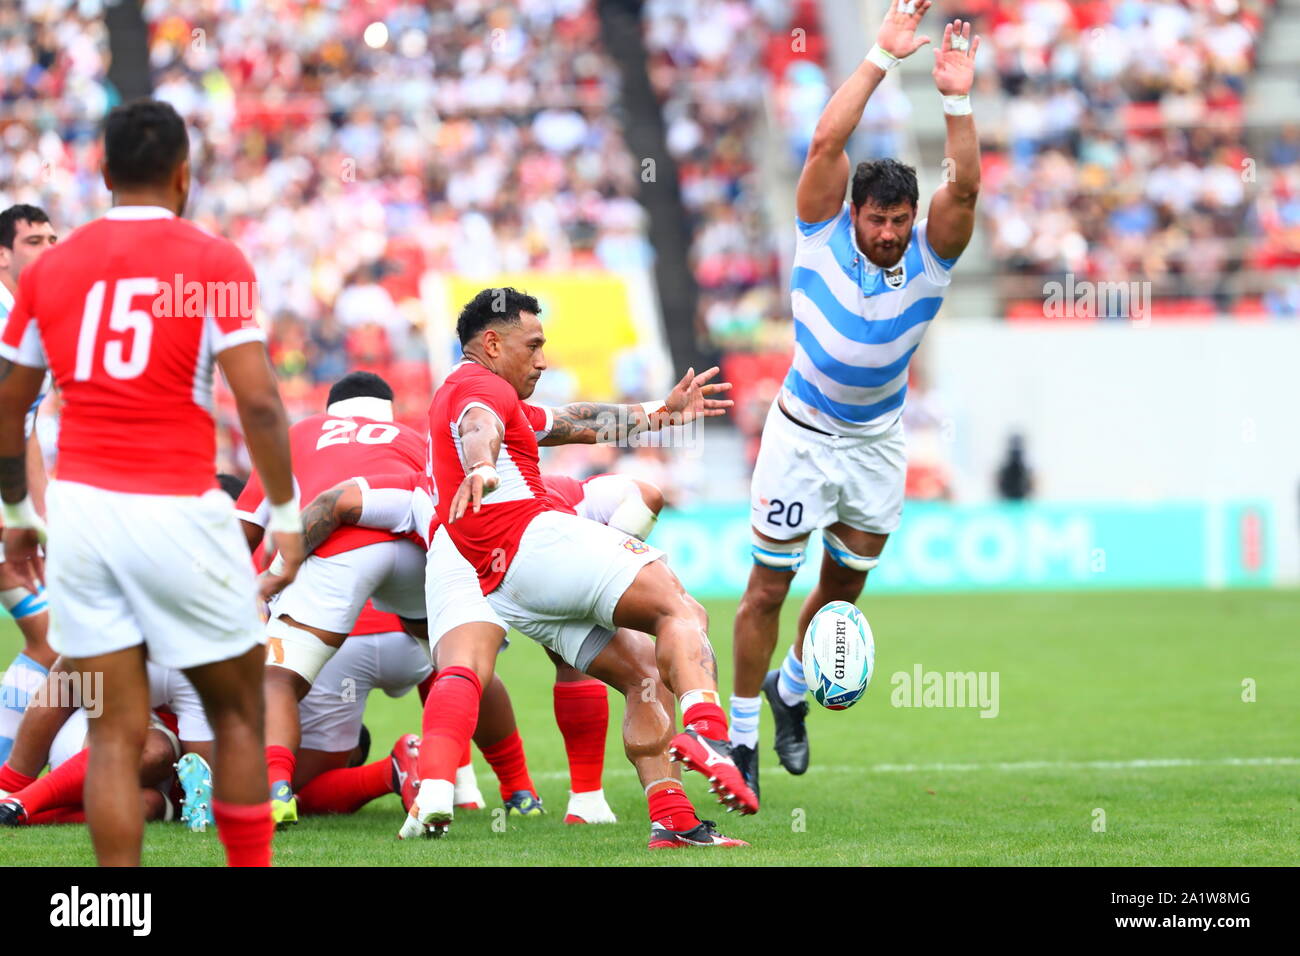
<point>1015,479</point>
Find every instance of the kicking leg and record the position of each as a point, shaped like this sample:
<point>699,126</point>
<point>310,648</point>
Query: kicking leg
<point>628,665</point>
<point>657,603</point>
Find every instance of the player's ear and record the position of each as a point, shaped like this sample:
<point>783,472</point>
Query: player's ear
<point>491,342</point>
<point>108,180</point>
<point>181,179</point>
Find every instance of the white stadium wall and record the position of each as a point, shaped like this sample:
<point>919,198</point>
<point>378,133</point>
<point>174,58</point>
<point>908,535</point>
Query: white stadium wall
<point>1125,413</point>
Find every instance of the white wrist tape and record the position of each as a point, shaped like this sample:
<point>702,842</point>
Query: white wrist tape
<point>957,105</point>
<point>22,514</point>
<point>882,58</point>
<point>285,517</point>
<point>488,474</point>
<point>650,409</point>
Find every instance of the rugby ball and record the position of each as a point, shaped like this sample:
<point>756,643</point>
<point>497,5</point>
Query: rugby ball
<point>839,654</point>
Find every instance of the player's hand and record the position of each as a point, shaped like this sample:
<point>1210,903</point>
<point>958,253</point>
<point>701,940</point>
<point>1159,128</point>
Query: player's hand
<point>690,398</point>
<point>897,35</point>
<point>469,496</point>
<point>289,551</point>
<point>954,61</point>
<point>23,555</point>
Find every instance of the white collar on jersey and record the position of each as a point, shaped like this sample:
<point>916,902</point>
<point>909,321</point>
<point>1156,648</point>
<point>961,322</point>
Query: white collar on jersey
<point>363,406</point>
<point>139,212</point>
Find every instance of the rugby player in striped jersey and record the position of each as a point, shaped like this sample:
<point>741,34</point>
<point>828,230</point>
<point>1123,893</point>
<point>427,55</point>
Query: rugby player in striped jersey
<point>868,277</point>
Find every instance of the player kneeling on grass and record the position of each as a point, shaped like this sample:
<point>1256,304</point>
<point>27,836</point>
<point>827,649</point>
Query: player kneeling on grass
<point>55,732</point>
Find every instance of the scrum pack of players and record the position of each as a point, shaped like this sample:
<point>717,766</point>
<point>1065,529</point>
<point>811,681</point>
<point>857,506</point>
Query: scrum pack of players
<point>411,560</point>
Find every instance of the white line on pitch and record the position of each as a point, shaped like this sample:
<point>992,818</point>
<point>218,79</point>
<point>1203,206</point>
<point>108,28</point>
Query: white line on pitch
<point>1145,764</point>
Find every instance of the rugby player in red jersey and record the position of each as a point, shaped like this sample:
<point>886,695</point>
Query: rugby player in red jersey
<point>146,556</point>
<point>313,616</point>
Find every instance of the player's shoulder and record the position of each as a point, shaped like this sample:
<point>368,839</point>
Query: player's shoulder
<point>935,266</point>
<point>817,234</point>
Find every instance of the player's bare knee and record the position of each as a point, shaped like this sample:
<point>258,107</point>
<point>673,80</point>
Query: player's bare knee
<point>766,593</point>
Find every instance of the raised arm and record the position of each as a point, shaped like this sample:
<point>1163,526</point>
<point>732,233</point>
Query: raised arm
<point>952,209</point>
<point>589,423</point>
<point>825,175</point>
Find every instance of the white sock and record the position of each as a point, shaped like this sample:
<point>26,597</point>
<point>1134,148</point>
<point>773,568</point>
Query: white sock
<point>790,684</point>
<point>744,721</point>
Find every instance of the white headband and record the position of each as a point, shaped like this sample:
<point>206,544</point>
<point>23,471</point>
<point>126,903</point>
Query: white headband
<point>363,406</point>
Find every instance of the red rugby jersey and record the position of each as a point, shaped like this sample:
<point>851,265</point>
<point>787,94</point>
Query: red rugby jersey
<point>489,540</point>
<point>129,313</point>
<point>328,449</point>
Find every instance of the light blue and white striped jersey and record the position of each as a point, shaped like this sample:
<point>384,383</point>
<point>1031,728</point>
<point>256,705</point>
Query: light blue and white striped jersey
<point>7,306</point>
<point>856,326</point>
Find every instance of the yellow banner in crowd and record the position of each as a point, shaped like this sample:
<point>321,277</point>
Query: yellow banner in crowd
<point>587,317</point>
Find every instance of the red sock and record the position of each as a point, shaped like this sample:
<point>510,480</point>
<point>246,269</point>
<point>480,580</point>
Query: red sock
<point>245,831</point>
<point>280,764</point>
<point>468,757</point>
<point>708,720</point>
<point>61,787</point>
<point>450,715</point>
<point>57,815</point>
<point>11,779</point>
<point>582,714</point>
<point>425,686</point>
<point>347,789</point>
<point>510,765</point>
<point>670,807</point>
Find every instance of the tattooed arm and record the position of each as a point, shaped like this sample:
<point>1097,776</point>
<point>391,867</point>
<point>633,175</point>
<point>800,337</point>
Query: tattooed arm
<point>19,386</point>
<point>329,510</point>
<point>587,423</point>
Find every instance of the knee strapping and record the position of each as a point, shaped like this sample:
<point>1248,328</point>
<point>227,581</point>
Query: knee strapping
<point>842,556</point>
<point>21,603</point>
<point>779,555</point>
<point>633,517</point>
<point>296,650</point>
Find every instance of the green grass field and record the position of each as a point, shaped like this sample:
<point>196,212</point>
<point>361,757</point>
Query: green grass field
<point>1125,703</point>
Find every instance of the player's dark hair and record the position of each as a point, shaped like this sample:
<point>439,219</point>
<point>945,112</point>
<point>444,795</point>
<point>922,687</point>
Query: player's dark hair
<point>232,485</point>
<point>11,217</point>
<point>144,141</point>
<point>884,183</point>
<point>359,385</point>
<point>492,306</point>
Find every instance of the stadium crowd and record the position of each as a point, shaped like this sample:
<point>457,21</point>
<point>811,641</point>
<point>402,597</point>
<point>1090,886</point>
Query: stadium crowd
<point>1113,147</point>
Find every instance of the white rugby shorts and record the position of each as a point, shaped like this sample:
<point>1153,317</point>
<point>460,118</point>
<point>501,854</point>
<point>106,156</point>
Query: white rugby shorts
<point>329,593</point>
<point>565,581</point>
<point>168,571</point>
<point>452,592</point>
<point>332,711</point>
<point>804,480</point>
